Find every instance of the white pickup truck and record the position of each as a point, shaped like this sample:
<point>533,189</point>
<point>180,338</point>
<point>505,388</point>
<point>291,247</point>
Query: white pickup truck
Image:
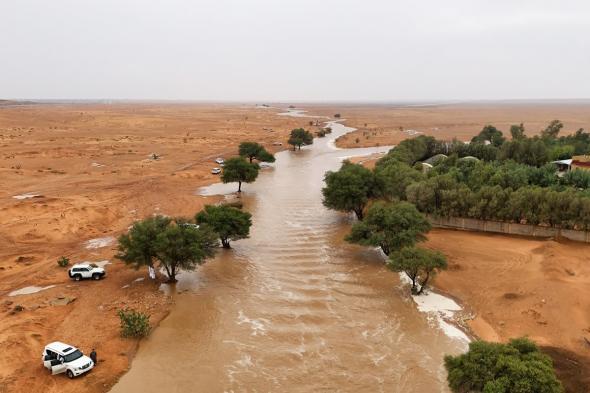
<point>86,270</point>
<point>61,358</point>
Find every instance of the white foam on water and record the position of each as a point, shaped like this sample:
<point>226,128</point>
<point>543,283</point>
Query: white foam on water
<point>100,242</point>
<point>440,309</point>
<point>258,326</point>
<point>26,195</point>
<point>29,290</point>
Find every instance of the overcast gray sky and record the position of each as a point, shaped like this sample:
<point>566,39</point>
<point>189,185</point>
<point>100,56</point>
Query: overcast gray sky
<point>304,50</point>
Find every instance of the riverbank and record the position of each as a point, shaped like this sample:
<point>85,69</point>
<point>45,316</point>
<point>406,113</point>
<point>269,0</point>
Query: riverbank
<point>517,286</point>
<point>85,172</point>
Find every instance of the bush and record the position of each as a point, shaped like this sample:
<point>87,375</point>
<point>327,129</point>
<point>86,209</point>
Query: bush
<point>63,262</point>
<point>518,366</point>
<point>134,323</point>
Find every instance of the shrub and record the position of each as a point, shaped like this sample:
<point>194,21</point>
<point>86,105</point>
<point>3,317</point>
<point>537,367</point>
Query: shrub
<point>518,366</point>
<point>63,262</point>
<point>134,323</point>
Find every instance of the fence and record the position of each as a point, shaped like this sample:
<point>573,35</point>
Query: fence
<point>471,224</point>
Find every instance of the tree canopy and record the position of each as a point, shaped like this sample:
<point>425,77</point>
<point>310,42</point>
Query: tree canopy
<point>300,137</point>
<point>253,150</point>
<point>348,189</point>
<point>175,243</point>
<point>228,222</point>
<point>184,246</point>
<point>516,367</point>
<point>491,134</point>
<point>390,226</point>
<point>138,246</point>
<point>238,169</point>
<point>419,264</point>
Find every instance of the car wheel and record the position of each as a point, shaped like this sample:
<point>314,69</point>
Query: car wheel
<point>96,276</point>
<point>70,374</point>
<point>77,277</point>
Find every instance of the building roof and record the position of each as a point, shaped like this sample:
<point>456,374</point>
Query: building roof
<point>563,162</point>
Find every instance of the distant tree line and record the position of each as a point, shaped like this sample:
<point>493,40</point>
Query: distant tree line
<point>500,189</point>
<point>491,145</point>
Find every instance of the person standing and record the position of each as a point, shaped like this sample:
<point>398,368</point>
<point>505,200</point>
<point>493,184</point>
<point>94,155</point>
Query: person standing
<point>93,357</point>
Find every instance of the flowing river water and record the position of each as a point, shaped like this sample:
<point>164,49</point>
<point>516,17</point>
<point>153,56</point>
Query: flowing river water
<point>293,308</point>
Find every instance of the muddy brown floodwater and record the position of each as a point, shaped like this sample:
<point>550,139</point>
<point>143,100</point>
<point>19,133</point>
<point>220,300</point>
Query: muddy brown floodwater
<point>293,308</point>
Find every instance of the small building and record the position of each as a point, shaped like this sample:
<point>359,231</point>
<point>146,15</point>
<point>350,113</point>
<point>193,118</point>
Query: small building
<point>563,165</point>
<point>580,162</point>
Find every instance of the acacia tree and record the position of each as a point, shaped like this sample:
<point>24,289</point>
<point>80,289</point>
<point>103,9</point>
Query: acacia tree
<point>419,264</point>
<point>390,227</point>
<point>238,169</point>
<point>518,366</point>
<point>253,150</point>
<point>175,244</point>
<point>184,246</point>
<point>349,189</point>
<point>300,137</point>
<point>137,247</point>
<point>552,130</point>
<point>228,222</point>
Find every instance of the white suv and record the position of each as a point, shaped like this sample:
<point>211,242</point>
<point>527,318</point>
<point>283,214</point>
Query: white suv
<point>63,358</point>
<point>86,270</point>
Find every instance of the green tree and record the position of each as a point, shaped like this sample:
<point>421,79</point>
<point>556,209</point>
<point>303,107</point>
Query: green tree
<point>491,134</point>
<point>392,179</point>
<point>390,227</point>
<point>238,169</point>
<point>138,246</point>
<point>552,130</point>
<point>228,222</point>
<point>349,189</point>
<point>517,367</point>
<point>419,264</point>
<point>253,150</point>
<point>300,137</point>
<point>184,246</point>
<point>517,131</point>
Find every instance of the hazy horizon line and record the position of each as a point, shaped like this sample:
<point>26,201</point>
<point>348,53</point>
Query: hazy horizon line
<point>405,102</point>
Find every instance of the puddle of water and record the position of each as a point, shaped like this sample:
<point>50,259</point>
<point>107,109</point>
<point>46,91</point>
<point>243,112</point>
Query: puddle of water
<point>99,242</point>
<point>29,290</point>
<point>27,196</point>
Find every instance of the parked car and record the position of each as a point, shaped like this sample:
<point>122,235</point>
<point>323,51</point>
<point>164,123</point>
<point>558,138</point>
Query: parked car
<point>86,270</point>
<point>61,358</point>
<point>216,171</point>
<point>219,160</point>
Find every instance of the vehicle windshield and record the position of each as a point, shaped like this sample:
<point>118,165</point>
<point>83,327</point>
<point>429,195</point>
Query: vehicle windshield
<point>73,356</point>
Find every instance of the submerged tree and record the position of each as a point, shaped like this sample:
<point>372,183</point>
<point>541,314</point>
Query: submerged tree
<point>390,227</point>
<point>300,137</point>
<point>487,367</point>
<point>253,150</point>
<point>238,169</point>
<point>228,222</point>
<point>349,189</point>
<point>137,247</point>
<point>183,246</point>
<point>419,264</point>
